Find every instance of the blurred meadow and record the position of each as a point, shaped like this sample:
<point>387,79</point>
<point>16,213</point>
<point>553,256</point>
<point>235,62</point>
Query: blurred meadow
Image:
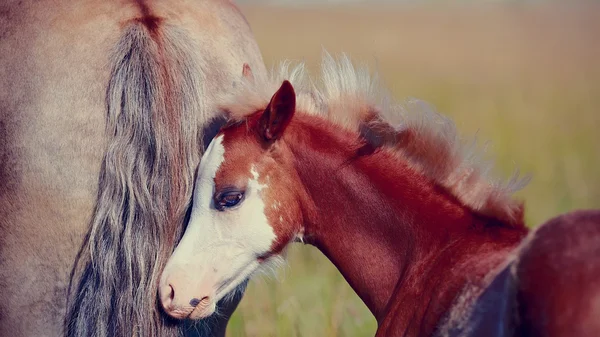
<point>523,76</point>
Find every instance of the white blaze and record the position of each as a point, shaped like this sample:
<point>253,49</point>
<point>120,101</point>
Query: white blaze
<point>219,249</point>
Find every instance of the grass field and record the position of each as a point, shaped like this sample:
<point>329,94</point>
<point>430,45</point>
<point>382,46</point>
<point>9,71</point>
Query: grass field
<point>524,77</point>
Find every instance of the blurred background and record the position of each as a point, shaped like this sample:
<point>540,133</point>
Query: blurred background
<point>523,75</point>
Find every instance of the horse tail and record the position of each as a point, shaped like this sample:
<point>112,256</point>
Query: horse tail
<point>153,142</point>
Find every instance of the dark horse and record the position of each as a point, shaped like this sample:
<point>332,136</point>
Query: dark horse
<point>388,193</point>
<point>103,106</point>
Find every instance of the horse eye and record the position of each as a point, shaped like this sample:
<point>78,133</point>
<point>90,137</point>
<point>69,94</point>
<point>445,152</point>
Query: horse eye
<point>228,199</point>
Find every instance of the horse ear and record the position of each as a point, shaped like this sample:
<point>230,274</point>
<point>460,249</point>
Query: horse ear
<point>247,72</point>
<point>278,113</point>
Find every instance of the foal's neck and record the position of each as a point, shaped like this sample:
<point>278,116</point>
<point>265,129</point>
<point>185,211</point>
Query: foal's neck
<point>395,236</point>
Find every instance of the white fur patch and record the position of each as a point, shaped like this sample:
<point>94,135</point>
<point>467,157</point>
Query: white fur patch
<point>209,165</point>
<point>220,249</point>
<point>255,210</point>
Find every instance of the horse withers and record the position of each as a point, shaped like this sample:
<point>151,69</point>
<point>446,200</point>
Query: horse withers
<point>388,192</point>
<point>102,111</point>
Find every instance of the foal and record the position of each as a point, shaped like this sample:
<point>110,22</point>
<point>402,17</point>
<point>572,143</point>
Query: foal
<point>405,213</point>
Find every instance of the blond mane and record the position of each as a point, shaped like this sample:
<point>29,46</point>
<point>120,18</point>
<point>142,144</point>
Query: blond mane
<point>351,98</point>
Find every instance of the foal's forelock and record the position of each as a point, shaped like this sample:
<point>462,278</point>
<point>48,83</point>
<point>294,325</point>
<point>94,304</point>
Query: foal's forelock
<point>429,142</point>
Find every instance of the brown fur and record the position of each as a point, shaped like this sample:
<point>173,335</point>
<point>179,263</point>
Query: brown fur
<point>415,253</point>
<point>347,205</point>
<point>558,276</point>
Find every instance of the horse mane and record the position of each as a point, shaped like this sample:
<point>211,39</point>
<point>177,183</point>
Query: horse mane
<point>351,98</point>
<point>154,111</point>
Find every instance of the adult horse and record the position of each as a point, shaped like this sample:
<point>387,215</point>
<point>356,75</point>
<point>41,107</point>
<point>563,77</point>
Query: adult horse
<point>102,110</point>
<point>391,196</point>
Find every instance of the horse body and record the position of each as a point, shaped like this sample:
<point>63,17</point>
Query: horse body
<point>57,59</point>
<point>548,286</point>
<point>424,247</point>
<point>557,273</point>
<point>404,210</point>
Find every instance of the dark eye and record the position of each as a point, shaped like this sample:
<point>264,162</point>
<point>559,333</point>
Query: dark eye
<point>228,199</point>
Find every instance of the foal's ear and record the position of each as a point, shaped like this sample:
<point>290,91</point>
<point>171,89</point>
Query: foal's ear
<point>278,113</point>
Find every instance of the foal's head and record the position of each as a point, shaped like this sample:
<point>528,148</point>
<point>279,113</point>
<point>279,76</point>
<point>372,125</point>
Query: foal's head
<point>250,202</point>
<point>246,208</point>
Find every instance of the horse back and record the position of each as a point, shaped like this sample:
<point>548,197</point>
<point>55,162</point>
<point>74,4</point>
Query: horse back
<point>558,275</point>
<point>548,288</point>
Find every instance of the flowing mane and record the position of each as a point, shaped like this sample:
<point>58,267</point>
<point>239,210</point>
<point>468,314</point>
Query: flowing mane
<point>353,99</point>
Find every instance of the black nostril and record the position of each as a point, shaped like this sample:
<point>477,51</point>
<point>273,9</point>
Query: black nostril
<point>194,302</point>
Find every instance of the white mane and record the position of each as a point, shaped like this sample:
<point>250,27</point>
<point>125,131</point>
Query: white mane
<point>351,98</point>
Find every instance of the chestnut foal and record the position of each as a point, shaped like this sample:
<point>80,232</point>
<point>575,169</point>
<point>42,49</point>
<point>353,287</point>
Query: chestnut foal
<point>430,244</point>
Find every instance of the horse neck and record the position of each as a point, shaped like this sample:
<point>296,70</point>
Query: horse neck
<point>390,231</point>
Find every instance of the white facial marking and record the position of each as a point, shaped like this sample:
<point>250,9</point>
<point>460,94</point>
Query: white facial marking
<point>220,249</point>
<point>256,206</point>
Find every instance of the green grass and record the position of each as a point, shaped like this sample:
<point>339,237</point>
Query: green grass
<point>525,78</point>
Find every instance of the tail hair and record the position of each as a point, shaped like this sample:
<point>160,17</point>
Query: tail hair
<point>154,140</point>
